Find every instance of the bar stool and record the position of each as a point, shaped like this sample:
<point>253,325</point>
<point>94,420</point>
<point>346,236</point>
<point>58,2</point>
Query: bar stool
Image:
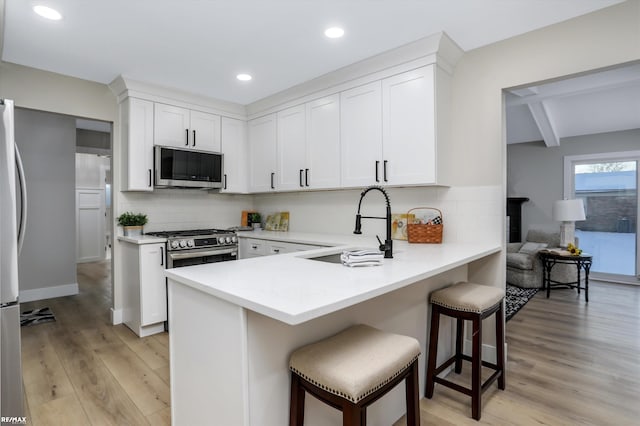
<point>474,302</point>
<point>351,370</point>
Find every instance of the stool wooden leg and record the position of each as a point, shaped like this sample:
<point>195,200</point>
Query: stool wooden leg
<point>459,337</point>
<point>412,392</point>
<point>500,362</point>
<point>354,415</point>
<point>296,405</point>
<point>433,349</point>
<point>476,368</point>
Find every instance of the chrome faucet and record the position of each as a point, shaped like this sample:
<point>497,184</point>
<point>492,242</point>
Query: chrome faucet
<point>387,247</point>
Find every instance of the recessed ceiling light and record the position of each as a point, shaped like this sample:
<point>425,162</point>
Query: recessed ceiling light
<point>47,12</point>
<point>334,32</point>
<point>243,77</point>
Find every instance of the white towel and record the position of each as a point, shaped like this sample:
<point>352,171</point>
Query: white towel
<point>362,258</point>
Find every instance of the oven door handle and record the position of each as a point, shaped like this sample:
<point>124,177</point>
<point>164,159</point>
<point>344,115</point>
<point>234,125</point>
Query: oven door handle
<point>192,254</point>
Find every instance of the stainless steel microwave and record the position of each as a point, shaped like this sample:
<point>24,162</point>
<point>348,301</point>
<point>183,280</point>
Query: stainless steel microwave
<point>187,168</point>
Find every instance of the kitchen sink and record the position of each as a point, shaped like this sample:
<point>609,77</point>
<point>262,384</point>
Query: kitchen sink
<point>329,258</point>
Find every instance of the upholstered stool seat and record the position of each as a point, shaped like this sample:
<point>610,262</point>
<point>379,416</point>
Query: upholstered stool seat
<point>352,369</point>
<point>474,302</point>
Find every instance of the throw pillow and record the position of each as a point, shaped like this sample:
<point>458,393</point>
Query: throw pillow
<point>531,248</point>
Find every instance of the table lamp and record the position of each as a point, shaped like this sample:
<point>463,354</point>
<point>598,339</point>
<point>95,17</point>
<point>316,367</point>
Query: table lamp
<point>567,212</point>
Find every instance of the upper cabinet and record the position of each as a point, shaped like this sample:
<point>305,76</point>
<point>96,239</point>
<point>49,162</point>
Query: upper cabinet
<point>262,153</point>
<point>184,128</point>
<point>322,170</point>
<point>291,148</point>
<point>136,116</point>
<point>235,150</point>
<point>388,131</point>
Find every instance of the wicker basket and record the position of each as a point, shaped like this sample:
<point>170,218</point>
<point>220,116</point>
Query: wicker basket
<point>425,233</point>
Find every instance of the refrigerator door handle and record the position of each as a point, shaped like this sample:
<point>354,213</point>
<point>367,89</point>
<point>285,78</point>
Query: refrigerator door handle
<point>23,200</point>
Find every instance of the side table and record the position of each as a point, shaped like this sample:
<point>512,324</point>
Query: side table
<point>549,260</point>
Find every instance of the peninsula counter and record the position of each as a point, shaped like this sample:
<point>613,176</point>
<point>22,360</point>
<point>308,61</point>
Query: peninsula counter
<point>233,325</point>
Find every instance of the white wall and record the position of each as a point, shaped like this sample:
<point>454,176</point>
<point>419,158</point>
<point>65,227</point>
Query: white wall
<point>47,264</point>
<point>536,172</point>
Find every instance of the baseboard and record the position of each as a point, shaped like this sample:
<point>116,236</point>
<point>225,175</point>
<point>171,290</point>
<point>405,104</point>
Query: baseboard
<point>48,292</point>
<point>489,352</point>
<point>116,316</point>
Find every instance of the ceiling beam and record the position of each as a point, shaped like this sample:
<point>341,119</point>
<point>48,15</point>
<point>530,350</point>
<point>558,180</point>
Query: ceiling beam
<point>541,117</point>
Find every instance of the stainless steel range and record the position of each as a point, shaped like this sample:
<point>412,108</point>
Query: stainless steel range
<point>199,246</point>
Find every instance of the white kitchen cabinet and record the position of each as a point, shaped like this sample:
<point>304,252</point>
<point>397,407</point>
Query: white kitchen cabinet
<point>136,116</point>
<point>291,148</point>
<point>322,169</point>
<point>308,145</point>
<point>235,150</point>
<point>250,247</point>
<point>361,135</point>
<point>185,128</point>
<point>262,153</point>
<point>254,247</point>
<point>388,131</point>
<point>144,296</point>
<point>408,128</point>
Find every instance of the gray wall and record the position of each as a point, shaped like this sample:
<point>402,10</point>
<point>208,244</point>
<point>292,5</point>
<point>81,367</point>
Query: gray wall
<point>536,172</point>
<point>48,258</point>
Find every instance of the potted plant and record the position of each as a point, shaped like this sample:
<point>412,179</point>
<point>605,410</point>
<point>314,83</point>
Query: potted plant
<point>254,219</point>
<point>132,223</point>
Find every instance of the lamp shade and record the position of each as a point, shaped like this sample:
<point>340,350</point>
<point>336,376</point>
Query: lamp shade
<point>568,210</point>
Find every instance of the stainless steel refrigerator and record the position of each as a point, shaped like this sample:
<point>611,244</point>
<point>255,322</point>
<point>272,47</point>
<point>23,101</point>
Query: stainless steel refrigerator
<point>12,222</point>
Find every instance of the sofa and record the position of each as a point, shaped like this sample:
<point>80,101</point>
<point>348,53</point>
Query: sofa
<point>524,268</point>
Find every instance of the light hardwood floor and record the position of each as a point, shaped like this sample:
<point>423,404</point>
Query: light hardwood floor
<point>569,363</point>
<point>81,370</point>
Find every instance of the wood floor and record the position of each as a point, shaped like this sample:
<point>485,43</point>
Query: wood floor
<point>81,370</point>
<point>569,363</point>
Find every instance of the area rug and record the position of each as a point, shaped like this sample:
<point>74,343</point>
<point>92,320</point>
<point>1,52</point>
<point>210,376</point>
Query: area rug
<point>516,298</point>
<point>36,316</point>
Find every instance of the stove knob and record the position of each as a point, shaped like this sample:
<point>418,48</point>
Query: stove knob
<point>228,240</point>
<point>183,243</point>
<point>190,243</point>
<point>174,244</point>
<point>234,239</point>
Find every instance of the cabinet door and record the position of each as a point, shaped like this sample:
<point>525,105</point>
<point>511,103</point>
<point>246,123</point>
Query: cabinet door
<point>361,135</point>
<point>323,143</point>
<point>204,131</point>
<point>291,149</point>
<point>408,123</point>
<point>234,148</point>
<point>249,248</point>
<point>153,292</point>
<point>262,154</point>
<point>137,130</point>
<point>171,126</point>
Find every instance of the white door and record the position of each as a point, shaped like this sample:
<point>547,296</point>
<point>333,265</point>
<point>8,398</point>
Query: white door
<point>205,131</point>
<point>90,230</point>
<point>323,143</point>
<point>262,154</point>
<point>361,135</point>
<point>291,148</point>
<point>408,128</point>
<point>171,126</point>
<point>234,148</point>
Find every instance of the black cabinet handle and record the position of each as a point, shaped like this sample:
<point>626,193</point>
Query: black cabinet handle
<point>377,165</point>
<point>301,184</point>
<point>161,256</point>
<point>225,181</point>
<point>306,177</point>
<point>149,178</point>
<point>186,139</point>
<point>272,175</point>
<point>194,138</point>
<point>384,170</point>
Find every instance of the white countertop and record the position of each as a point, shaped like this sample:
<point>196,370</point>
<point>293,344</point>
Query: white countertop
<point>142,239</point>
<point>293,289</point>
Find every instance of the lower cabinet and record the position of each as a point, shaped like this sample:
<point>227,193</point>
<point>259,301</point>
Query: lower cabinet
<point>253,247</point>
<point>145,293</point>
